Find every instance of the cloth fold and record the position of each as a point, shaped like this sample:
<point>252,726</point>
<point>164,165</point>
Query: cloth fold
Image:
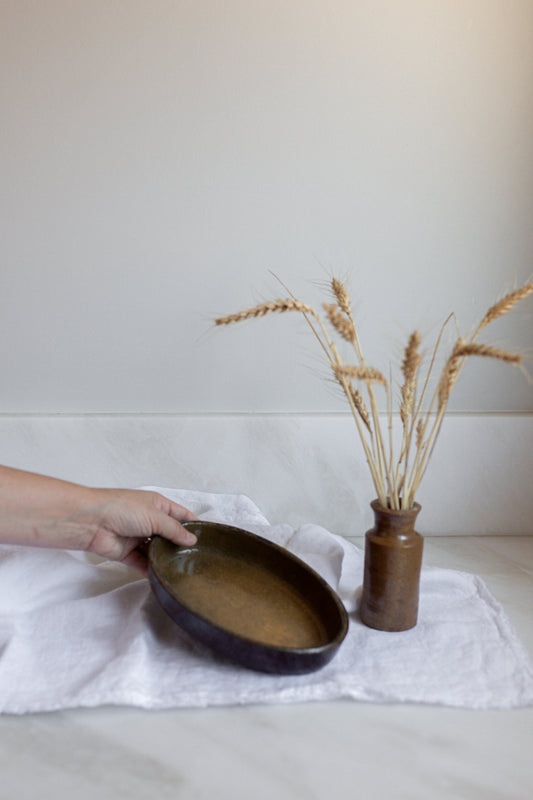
<point>75,633</point>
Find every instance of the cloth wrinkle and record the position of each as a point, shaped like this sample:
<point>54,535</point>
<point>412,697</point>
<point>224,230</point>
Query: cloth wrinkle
<point>75,632</point>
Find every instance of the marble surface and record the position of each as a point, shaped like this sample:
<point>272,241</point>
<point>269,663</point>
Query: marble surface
<point>296,468</point>
<point>314,751</point>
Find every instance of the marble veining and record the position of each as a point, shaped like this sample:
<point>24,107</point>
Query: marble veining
<point>302,750</point>
<point>296,468</point>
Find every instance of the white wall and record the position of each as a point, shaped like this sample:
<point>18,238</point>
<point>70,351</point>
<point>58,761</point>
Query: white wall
<point>159,158</point>
<point>296,467</point>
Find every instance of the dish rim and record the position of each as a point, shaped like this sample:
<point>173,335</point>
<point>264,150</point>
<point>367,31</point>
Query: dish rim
<point>332,643</point>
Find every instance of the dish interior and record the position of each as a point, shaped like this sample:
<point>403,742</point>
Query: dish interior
<point>245,586</point>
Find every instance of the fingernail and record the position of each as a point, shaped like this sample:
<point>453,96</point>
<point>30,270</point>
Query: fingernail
<point>190,538</point>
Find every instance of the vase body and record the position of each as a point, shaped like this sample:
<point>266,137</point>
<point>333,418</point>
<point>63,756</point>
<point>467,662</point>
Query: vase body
<point>393,559</point>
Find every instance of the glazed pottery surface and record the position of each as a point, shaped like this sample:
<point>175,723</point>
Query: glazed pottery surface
<point>248,599</point>
<point>393,560</point>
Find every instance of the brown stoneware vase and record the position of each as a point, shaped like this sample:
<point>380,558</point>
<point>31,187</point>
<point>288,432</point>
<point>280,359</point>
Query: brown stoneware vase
<point>393,559</point>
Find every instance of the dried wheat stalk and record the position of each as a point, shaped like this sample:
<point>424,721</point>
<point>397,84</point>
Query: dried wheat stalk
<point>395,483</point>
<point>461,350</point>
<point>359,404</point>
<point>419,434</point>
<point>343,325</point>
<point>342,297</point>
<point>261,310</point>
<point>412,360</point>
<point>505,305</point>
<point>366,374</point>
<point>410,366</point>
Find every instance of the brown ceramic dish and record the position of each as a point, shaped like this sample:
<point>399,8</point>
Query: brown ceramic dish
<point>248,599</point>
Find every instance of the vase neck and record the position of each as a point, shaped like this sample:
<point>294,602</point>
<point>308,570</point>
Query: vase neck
<point>394,521</point>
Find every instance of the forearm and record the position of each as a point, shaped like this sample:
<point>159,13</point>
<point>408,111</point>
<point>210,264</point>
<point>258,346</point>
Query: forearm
<point>37,510</point>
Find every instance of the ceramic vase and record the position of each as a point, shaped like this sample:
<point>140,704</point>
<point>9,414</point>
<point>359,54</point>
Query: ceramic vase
<point>393,560</point>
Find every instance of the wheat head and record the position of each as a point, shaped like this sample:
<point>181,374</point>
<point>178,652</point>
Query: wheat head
<point>462,350</point>
<point>261,310</point>
<point>410,366</point>
<point>359,404</point>
<point>341,295</point>
<point>505,305</point>
<point>343,326</point>
<point>367,374</point>
<point>486,351</point>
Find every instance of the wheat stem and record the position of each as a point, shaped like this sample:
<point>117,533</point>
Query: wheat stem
<point>410,367</point>
<point>374,470</point>
<point>395,494</point>
<point>422,423</point>
<point>336,365</point>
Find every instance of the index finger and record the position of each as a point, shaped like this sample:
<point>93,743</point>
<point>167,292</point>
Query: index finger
<point>168,526</point>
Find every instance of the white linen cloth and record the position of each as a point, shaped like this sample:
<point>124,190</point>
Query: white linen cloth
<point>76,633</point>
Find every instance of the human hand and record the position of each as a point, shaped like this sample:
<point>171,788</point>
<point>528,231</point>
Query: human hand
<point>122,522</point>
<point>39,511</point>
